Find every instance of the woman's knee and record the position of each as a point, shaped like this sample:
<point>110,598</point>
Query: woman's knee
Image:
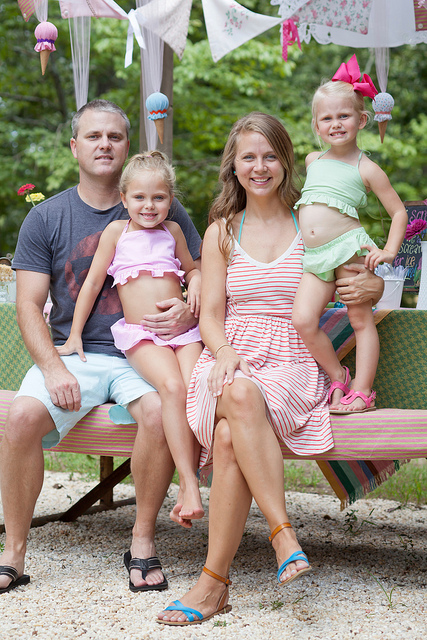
<point>243,397</point>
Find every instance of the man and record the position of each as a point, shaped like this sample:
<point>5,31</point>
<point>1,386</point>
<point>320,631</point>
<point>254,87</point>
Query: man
<point>56,244</point>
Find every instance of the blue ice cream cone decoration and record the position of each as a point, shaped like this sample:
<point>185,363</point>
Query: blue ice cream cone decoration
<point>157,106</point>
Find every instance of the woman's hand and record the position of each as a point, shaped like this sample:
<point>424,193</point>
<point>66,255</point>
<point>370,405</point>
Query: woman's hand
<point>227,363</point>
<point>73,345</point>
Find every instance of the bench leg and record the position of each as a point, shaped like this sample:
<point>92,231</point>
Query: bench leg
<point>106,468</point>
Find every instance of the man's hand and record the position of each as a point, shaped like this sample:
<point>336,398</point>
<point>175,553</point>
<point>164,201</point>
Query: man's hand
<point>360,286</point>
<point>175,318</point>
<point>64,390</point>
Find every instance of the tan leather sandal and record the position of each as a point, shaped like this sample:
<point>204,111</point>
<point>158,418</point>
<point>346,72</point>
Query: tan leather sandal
<point>194,616</point>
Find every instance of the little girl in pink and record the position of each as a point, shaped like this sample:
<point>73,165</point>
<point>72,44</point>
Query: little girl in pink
<point>148,258</point>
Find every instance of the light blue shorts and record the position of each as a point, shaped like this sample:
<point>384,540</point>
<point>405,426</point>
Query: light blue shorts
<point>102,378</point>
<point>323,260</point>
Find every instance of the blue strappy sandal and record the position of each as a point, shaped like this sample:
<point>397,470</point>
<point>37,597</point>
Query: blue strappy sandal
<point>194,616</point>
<point>297,555</point>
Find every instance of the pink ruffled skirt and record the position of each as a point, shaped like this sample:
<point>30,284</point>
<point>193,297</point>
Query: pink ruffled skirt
<point>127,336</point>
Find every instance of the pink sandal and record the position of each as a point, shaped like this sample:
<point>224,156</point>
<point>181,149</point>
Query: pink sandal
<point>339,385</point>
<point>351,397</point>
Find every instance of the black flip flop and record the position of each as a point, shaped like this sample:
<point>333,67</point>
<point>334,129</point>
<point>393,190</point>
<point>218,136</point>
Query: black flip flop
<point>144,565</point>
<point>16,582</point>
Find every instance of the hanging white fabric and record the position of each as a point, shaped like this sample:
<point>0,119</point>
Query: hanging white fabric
<point>41,10</point>
<point>80,52</point>
<point>151,67</point>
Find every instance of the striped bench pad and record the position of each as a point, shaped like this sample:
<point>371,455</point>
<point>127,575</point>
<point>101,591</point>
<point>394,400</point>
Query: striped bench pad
<point>385,434</point>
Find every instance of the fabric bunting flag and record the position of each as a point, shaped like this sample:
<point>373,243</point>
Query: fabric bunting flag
<point>27,8</point>
<point>92,9</point>
<point>341,14</point>
<point>169,20</point>
<point>230,25</point>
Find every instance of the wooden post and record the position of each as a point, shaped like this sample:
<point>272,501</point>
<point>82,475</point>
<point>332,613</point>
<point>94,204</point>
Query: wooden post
<point>166,88</point>
<point>106,468</point>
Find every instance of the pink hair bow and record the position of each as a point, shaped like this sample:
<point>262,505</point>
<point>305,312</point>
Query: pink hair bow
<point>350,73</point>
<point>289,36</point>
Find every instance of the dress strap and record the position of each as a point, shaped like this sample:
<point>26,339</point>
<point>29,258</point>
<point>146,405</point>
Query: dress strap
<point>359,158</point>
<point>241,226</point>
<point>295,221</point>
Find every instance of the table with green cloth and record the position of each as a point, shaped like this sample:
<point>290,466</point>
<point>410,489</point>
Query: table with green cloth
<point>369,447</point>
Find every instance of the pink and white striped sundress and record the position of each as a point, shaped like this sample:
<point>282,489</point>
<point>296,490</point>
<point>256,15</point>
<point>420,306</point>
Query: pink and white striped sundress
<point>258,325</point>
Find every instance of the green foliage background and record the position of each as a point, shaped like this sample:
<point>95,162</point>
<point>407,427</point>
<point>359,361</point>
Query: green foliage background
<point>36,110</point>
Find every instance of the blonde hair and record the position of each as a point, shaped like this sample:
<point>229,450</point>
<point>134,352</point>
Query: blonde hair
<point>232,198</point>
<point>338,89</point>
<point>155,161</point>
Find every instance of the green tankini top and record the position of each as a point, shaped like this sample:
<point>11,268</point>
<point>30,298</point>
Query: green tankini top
<point>336,184</point>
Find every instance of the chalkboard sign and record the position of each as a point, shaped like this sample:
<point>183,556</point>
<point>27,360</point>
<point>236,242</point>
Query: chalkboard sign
<point>410,252</point>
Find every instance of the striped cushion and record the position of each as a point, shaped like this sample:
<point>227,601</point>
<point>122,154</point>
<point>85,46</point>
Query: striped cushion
<point>381,435</point>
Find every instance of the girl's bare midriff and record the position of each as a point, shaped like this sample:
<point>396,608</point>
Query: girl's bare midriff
<point>320,224</point>
<point>139,295</point>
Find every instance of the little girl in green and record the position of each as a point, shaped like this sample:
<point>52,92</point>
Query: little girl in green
<point>338,180</point>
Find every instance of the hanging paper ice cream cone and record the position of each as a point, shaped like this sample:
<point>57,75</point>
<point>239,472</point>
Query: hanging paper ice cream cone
<point>160,127</point>
<point>44,57</point>
<point>382,126</point>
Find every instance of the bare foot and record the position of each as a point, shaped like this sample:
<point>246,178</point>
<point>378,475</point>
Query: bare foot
<point>190,501</point>
<point>143,548</point>
<point>174,515</point>
<point>206,597</point>
<point>285,543</point>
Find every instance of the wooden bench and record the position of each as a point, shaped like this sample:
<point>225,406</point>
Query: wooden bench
<point>365,444</point>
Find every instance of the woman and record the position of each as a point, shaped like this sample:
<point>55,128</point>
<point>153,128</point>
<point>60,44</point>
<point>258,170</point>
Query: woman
<point>256,387</point>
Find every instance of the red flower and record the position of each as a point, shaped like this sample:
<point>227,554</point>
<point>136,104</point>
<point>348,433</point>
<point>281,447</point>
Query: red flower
<point>417,227</point>
<point>25,187</point>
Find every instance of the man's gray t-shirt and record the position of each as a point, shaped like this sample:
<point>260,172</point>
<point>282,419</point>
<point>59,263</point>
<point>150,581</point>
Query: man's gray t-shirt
<point>59,237</point>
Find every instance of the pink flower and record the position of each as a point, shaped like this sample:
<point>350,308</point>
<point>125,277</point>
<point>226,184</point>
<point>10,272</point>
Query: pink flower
<point>26,187</point>
<point>415,228</point>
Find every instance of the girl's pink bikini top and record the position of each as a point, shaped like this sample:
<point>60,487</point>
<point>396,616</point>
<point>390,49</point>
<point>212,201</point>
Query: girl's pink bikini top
<point>150,250</point>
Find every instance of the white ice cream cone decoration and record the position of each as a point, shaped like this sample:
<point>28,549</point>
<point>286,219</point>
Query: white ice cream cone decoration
<point>383,103</point>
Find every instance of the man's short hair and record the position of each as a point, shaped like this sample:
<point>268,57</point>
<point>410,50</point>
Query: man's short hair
<point>98,105</point>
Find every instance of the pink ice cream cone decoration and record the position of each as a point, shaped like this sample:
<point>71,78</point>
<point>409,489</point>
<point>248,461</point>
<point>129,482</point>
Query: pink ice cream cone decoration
<point>46,34</point>
<point>382,104</point>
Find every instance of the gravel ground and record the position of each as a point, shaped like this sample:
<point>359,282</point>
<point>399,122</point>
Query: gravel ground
<point>369,578</point>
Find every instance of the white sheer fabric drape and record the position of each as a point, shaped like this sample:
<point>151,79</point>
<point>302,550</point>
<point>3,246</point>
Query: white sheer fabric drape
<point>151,74</point>
<point>80,52</point>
